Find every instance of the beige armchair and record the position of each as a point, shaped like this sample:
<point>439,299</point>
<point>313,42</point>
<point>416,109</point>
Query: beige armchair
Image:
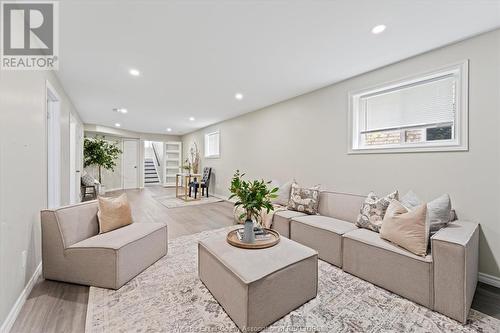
<point>74,251</point>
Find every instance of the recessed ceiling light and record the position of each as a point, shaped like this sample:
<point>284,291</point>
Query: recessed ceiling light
<point>117,125</point>
<point>191,118</point>
<point>378,29</point>
<point>169,129</point>
<point>134,72</point>
<point>238,96</point>
<point>120,110</point>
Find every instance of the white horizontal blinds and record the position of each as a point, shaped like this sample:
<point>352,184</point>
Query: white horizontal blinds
<point>423,103</point>
<point>212,144</point>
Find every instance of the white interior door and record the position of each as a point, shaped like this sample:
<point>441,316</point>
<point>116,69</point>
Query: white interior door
<point>130,163</point>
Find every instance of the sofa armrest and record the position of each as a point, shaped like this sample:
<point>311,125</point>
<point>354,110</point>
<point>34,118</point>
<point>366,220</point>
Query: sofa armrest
<point>455,255</point>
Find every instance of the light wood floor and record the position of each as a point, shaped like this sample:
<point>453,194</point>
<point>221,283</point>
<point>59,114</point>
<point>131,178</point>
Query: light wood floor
<point>62,307</point>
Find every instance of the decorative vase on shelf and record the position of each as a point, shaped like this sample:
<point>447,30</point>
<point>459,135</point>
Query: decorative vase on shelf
<point>248,234</point>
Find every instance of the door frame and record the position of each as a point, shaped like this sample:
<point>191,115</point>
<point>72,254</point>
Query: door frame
<point>76,157</point>
<point>53,138</point>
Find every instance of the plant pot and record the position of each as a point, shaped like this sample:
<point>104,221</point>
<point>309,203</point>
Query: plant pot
<point>248,234</point>
<point>101,189</point>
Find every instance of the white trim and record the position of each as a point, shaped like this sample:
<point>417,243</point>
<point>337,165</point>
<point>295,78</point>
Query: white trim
<point>223,197</point>
<point>489,279</point>
<point>461,143</point>
<point>113,189</point>
<point>14,312</point>
<point>53,138</point>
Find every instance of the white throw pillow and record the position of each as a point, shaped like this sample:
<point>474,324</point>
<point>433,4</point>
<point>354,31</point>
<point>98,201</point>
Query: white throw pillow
<point>283,194</point>
<point>439,209</point>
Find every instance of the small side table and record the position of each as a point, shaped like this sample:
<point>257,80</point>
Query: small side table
<point>186,179</point>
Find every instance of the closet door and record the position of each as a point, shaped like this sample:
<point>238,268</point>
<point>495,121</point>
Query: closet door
<point>130,164</point>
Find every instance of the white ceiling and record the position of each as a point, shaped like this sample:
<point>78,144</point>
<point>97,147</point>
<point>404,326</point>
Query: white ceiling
<point>195,55</point>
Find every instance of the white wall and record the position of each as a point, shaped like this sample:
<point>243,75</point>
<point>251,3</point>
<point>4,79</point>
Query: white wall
<point>306,138</point>
<point>23,174</point>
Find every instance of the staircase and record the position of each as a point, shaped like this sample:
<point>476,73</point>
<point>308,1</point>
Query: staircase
<point>150,173</point>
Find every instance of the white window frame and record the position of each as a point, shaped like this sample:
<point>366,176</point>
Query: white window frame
<point>459,142</point>
<point>206,145</point>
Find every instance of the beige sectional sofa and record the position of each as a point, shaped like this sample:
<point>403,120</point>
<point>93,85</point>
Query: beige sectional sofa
<point>444,280</point>
<point>74,251</point>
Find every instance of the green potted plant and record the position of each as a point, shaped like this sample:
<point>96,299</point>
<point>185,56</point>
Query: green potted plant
<point>100,153</point>
<point>253,197</point>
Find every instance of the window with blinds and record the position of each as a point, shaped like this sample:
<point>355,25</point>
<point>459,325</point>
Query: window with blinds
<point>212,144</point>
<point>427,112</point>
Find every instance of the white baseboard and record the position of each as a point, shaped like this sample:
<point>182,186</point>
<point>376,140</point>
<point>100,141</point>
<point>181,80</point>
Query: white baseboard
<point>223,197</point>
<point>489,279</point>
<point>14,312</point>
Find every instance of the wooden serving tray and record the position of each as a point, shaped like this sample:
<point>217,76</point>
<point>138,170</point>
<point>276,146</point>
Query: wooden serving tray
<point>233,239</point>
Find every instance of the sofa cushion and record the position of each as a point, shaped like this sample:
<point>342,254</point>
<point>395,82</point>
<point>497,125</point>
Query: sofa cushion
<point>388,266</point>
<point>322,233</point>
<point>342,206</point>
<point>281,221</point>
<point>120,237</point>
<point>326,223</point>
<point>373,239</point>
<point>75,222</point>
<point>110,260</point>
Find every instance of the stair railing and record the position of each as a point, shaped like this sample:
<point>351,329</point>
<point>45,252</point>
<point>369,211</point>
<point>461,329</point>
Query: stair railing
<point>156,154</point>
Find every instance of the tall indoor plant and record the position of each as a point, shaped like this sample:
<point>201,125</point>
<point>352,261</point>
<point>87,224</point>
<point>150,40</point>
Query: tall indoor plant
<point>253,197</point>
<point>100,153</point>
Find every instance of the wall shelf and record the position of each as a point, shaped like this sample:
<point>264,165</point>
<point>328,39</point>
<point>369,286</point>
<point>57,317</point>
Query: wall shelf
<point>173,161</point>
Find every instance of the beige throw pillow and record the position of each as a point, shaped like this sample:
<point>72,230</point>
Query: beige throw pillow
<point>406,228</point>
<point>113,213</point>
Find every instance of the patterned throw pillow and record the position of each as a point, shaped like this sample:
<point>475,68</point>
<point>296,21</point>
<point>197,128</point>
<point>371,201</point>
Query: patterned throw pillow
<point>88,180</point>
<point>373,210</point>
<point>304,200</point>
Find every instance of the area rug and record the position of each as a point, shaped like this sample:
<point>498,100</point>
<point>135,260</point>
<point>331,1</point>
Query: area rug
<point>169,297</point>
<point>173,202</point>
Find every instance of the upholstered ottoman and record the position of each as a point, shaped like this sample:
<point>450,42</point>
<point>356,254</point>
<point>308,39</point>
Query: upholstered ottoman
<point>258,287</point>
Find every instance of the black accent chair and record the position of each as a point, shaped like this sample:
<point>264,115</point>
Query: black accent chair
<point>203,184</point>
